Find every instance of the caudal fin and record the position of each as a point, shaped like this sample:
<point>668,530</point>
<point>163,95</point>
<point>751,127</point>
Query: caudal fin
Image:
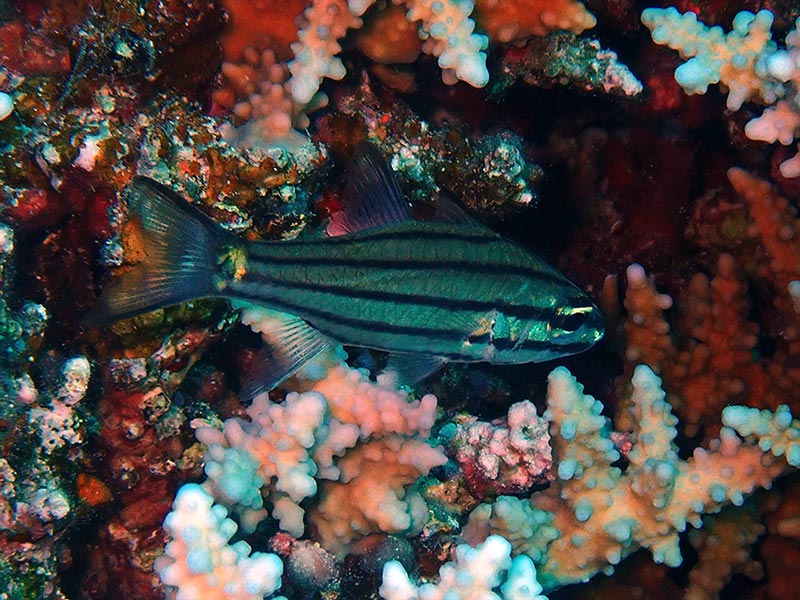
<point>181,246</point>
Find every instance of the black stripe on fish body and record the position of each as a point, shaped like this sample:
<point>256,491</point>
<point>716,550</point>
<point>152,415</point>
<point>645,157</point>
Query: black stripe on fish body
<point>366,316</point>
<point>518,311</point>
<point>469,267</point>
<point>412,246</point>
<point>466,237</point>
<point>370,333</point>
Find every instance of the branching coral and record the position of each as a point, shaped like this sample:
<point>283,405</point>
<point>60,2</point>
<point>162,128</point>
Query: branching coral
<point>776,225</point>
<point>356,445</point>
<point>473,575</point>
<point>595,514</point>
<point>257,93</point>
<point>202,564</point>
<point>257,89</point>
<point>518,20</point>
<point>723,546</point>
<point>709,354</point>
<point>446,25</point>
<point>746,61</point>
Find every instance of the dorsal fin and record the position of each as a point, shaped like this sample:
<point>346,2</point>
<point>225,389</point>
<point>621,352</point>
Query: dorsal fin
<point>449,210</point>
<point>371,196</point>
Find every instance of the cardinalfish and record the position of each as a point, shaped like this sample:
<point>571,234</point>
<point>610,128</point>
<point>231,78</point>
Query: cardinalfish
<point>428,292</point>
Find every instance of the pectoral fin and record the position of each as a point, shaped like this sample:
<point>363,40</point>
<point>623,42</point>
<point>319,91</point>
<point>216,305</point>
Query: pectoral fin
<point>408,369</point>
<point>290,343</point>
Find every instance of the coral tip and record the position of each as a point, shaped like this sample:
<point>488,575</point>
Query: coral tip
<point>6,105</point>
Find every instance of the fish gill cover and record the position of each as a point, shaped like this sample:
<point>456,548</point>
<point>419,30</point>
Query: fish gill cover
<point>646,152</point>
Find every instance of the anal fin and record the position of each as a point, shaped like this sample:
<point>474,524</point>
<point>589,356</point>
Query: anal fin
<point>290,343</point>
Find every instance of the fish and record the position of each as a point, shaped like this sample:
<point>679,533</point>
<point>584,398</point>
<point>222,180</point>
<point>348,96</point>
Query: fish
<point>427,292</point>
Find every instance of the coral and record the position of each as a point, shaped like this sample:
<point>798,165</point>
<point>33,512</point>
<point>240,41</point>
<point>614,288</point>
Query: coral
<point>449,32</point>
<point>96,424</point>
<point>388,37</point>
<point>596,513</point>
<point>445,25</point>
<point>709,355</point>
<point>382,475</point>
<point>564,59</point>
<point>315,52</point>
<point>490,173</point>
<point>746,61</point>
<point>341,438</point>
<point>311,567</point>
<point>44,421</point>
<point>776,225</point>
<point>716,57</point>
<point>250,20</point>
<point>257,94</point>
<point>254,86</point>
<point>776,432</point>
<point>58,423</point>
<point>167,139</point>
<point>473,575</point>
<point>724,545</point>
<point>201,563</point>
<point>506,456</point>
<point>720,336</point>
<point>517,20</point>
<point>780,547</point>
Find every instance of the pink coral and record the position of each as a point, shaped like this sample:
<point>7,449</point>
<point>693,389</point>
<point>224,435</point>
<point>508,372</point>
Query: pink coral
<point>356,445</point>
<point>506,456</point>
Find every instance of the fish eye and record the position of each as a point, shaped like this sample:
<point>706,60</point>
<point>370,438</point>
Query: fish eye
<point>570,321</point>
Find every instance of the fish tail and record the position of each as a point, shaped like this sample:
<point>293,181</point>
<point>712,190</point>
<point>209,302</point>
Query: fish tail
<point>181,252</point>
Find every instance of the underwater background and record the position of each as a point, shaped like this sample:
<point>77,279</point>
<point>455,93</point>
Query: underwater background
<point>648,150</point>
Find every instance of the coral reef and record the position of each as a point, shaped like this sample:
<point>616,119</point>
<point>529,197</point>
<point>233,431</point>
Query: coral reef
<point>473,574</point>
<point>200,562</point>
<point>507,456</point>
<point>133,465</point>
<point>746,61</point>
<point>342,438</point>
<point>596,513</point>
<point>564,59</point>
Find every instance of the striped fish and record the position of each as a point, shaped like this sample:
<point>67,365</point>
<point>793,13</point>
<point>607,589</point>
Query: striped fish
<point>427,292</point>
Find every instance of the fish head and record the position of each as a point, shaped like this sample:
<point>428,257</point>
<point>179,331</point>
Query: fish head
<point>565,328</point>
<point>574,327</point>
